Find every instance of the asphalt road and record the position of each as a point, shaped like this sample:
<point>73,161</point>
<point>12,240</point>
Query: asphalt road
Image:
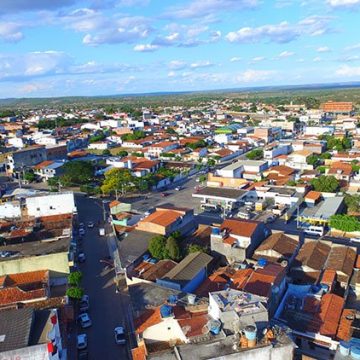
<point>108,309</point>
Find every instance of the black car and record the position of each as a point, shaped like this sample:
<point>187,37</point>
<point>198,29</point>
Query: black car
<point>83,355</point>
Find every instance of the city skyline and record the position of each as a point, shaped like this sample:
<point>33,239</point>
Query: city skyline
<point>70,47</point>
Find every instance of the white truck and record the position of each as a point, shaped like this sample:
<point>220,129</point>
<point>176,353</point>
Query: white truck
<point>101,231</point>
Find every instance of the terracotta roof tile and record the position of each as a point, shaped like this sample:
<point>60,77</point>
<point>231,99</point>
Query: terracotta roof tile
<point>240,227</point>
<point>194,326</point>
<point>149,318</point>
<point>344,331</point>
<point>313,195</point>
<point>139,353</point>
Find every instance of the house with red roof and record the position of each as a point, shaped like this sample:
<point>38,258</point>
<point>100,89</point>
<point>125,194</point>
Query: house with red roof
<point>236,240</point>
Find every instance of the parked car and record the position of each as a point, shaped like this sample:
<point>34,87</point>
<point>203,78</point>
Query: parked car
<point>119,333</point>
<point>81,231</point>
<point>81,225</point>
<point>314,230</point>
<point>83,355</point>
<point>90,224</point>
<point>270,219</point>
<point>82,341</point>
<point>81,257</point>
<point>84,320</point>
<point>84,303</point>
<point>164,194</point>
<point>178,188</point>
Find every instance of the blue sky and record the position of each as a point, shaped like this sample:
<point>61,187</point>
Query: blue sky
<point>104,47</point>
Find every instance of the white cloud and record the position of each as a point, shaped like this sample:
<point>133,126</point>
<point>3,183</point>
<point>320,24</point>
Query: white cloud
<point>145,47</point>
<point>257,59</point>
<point>323,49</point>
<point>343,3</point>
<point>352,47</point>
<point>282,32</point>
<point>177,65</point>
<point>171,74</point>
<point>35,87</point>
<point>350,58</point>
<point>201,8</point>
<point>317,59</point>
<point>250,75</point>
<point>201,64</point>
<point>10,32</point>
<point>235,59</point>
<point>286,54</point>
<point>348,71</point>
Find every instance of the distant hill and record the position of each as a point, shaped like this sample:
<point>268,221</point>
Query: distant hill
<point>336,91</point>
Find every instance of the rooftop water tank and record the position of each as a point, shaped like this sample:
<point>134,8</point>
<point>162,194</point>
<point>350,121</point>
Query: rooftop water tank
<point>262,262</point>
<point>250,332</point>
<point>172,299</point>
<point>215,231</point>
<point>191,299</point>
<point>146,257</point>
<point>214,326</point>
<point>166,311</point>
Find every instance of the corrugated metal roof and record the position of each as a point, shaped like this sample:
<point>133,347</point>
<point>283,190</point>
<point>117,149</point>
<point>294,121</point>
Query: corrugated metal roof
<point>188,267</point>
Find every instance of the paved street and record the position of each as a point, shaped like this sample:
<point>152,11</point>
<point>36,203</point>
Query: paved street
<point>108,309</point>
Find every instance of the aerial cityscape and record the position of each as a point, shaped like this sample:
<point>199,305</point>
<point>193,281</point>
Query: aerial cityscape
<point>179,180</point>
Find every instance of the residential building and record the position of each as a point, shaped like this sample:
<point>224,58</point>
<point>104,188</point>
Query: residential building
<point>236,240</point>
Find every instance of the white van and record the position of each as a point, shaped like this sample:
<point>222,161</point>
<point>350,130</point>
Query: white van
<point>243,215</point>
<point>314,230</point>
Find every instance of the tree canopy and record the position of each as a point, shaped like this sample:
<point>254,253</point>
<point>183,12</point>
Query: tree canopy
<point>161,247</point>
<point>77,173</point>
<point>118,179</point>
<point>255,154</point>
<point>325,184</point>
<point>344,223</point>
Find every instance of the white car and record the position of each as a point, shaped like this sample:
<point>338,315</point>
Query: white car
<point>84,303</point>
<point>178,188</point>
<point>90,224</point>
<point>119,333</point>
<point>82,341</point>
<point>81,231</point>
<point>85,321</point>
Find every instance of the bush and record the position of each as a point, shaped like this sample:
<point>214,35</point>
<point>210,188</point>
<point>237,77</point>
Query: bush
<point>75,278</point>
<point>344,223</point>
<point>196,248</point>
<point>75,293</point>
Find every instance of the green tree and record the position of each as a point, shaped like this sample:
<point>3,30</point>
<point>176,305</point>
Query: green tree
<point>344,223</point>
<point>352,203</point>
<point>106,152</point>
<point>54,181</point>
<point>291,183</point>
<point>312,159</point>
<point>75,278</point>
<point>75,292</point>
<point>77,173</point>
<point>98,136</point>
<point>325,184</point>
<point>29,176</point>
<point>118,179</point>
<point>196,248</point>
<point>157,247</point>
<point>136,135</point>
<point>122,153</point>
<point>325,156</point>
<point>211,162</point>
<point>255,154</point>
<point>173,249</point>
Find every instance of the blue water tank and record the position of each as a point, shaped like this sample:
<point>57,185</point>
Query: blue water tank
<point>262,262</point>
<point>172,299</point>
<point>215,231</point>
<point>146,257</point>
<point>215,327</point>
<point>250,332</point>
<point>165,311</point>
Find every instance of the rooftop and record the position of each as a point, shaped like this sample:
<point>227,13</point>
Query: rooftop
<point>224,193</point>
<point>188,267</point>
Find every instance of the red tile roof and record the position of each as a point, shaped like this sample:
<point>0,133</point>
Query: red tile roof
<point>149,318</point>
<point>195,326</point>
<point>240,227</point>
